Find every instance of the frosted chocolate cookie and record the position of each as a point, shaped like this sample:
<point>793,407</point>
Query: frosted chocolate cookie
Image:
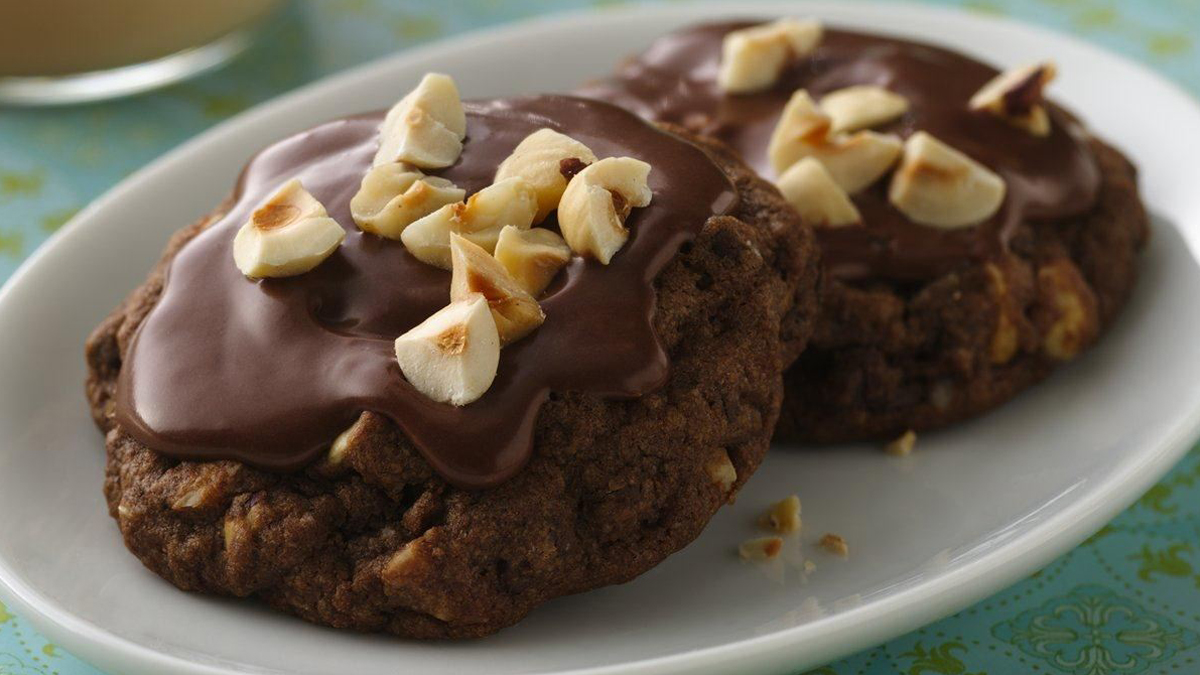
<point>974,235</point>
<point>425,370</point>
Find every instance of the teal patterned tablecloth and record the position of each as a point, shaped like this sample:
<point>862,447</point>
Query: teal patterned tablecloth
<point>1127,601</point>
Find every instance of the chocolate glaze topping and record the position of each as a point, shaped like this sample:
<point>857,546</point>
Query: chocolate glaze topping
<point>270,372</point>
<point>1048,178</point>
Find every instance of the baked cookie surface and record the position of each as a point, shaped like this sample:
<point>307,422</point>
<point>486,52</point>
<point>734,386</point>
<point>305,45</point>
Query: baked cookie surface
<point>919,324</point>
<point>885,359</point>
<point>338,515</point>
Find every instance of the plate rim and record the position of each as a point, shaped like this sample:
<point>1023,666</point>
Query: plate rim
<point>824,639</point>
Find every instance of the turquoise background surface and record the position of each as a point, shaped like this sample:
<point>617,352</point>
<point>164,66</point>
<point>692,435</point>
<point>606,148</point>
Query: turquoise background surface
<point>1126,601</point>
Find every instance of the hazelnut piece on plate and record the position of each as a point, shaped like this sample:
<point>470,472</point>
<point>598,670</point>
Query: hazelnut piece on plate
<point>288,234</point>
<point>392,196</point>
<point>752,59</point>
<point>903,445</point>
<point>783,516</point>
<point>835,544</point>
<point>939,186</point>
<point>511,201</point>
<point>452,356</point>
<point>819,200</point>
<point>532,257</point>
<point>1016,96</point>
<point>763,548</point>
<point>539,159</point>
<point>475,271</point>
<point>593,209</point>
<point>426,127</point>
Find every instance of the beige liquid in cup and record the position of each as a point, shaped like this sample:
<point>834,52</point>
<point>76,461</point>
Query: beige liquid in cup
<point>61,37</point>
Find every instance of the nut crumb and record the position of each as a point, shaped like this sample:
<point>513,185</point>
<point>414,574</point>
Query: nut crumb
<point>835,544</point>
<point>809,567</point>
<point>783,516</point>
<point>902,446</point>
<point>762,548</point>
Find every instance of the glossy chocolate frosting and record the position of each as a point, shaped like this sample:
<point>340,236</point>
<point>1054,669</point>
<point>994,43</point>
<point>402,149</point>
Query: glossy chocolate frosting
<point>1048,178</point>
<point>270,372</point>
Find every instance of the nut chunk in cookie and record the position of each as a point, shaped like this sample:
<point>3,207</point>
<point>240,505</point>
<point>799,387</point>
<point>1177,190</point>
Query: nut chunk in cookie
<point>548,335</point>
<point>974,235</point>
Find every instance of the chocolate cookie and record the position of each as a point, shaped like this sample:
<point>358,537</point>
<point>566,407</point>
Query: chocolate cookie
<point>263,442</point>
<point>925,318</point>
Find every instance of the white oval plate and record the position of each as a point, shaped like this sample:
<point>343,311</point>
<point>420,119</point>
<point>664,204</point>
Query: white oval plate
<point>972,511</point>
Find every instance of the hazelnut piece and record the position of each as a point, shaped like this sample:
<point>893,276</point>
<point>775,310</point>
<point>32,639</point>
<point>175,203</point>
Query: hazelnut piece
<point>347,441</point>
<point>288,234</point>
<point>853,160</point>
<point>861,107</point>
<point>783,516</point>
<point>593,209</point>
<point>939,186</point>
<point>1072,306</point>
<point>426,127</point>
<point>452,356</point>
<point>532,257</point>
<point>392,196</point>
<point>511,201</point>
<point>721,471</point>
<point>835,544</point>
<point>539,160</point>
<point>903,445</point>
<point>1016,96</point>
<point>762,548</point>
<point>752,59</point>
<point>1006,339</point>
<point>819,200</point>
<point>475,271</point>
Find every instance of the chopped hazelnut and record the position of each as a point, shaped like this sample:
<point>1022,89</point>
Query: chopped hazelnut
<point>1016,96</point>
<point>835,544</point>
<point>816,196</point>
<point>393,196</point>
<point>902,446</point>
<point>453,355</point>
<point>783,516</point>
<point>288,234</point>
<point>722,472</point>
<point>511,201</point>
<point>547,161</point>
<point>426,128</point>
<point>752,59</point>
<point>762,548</point>
<point>593,208</point>
<point>853,160</point>
<point>515,311</point>
<point>862,106</point>
<point>939,186</point>
<point>1072,306</point>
